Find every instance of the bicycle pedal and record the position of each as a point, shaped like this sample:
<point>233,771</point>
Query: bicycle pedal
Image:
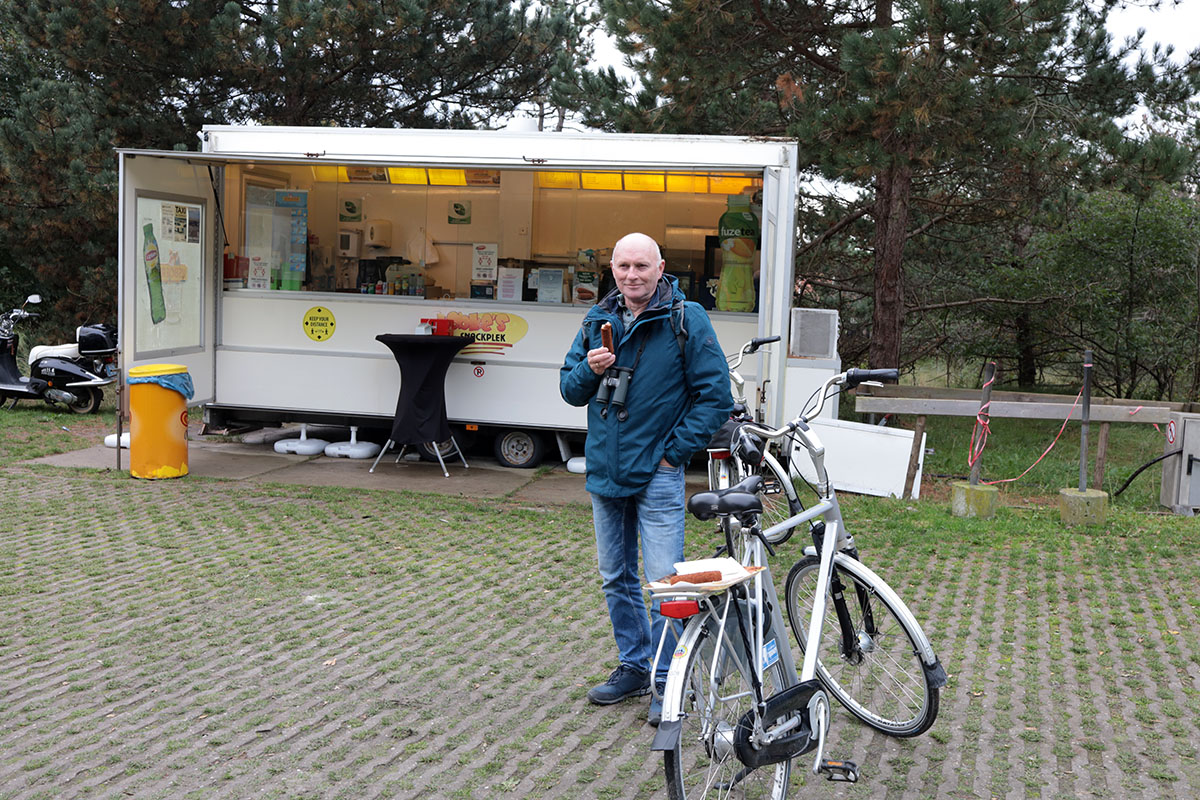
<point>839,771</point>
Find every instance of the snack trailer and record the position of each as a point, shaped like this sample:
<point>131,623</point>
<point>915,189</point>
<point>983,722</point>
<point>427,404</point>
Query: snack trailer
<point>268,262</point>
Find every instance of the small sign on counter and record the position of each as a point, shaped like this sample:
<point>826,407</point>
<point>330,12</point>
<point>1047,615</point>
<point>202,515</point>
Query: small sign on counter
<point>483,262</point>
<point>508,285</point>
<point>550,285</point>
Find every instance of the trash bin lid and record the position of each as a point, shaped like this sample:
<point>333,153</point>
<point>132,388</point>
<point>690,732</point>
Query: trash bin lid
<point>150,370</point>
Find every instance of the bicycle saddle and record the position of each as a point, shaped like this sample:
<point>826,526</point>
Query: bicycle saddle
<point>739,499</point>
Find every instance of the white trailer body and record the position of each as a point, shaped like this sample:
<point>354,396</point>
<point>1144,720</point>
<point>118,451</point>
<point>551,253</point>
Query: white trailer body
<point>266,350</point>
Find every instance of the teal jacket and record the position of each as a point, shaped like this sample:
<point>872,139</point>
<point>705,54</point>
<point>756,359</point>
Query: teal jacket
<point>672,411</point>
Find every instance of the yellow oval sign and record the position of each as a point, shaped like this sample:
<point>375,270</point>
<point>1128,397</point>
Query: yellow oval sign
<point>494,332</point>
<point>319,323</point>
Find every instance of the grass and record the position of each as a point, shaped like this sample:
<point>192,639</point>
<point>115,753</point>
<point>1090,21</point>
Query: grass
<point>203,638</point>
<point>1015,445</point>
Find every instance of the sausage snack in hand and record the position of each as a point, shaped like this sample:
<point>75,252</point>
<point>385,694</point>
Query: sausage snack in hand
<point>708,576</point>
<point>606,336</point>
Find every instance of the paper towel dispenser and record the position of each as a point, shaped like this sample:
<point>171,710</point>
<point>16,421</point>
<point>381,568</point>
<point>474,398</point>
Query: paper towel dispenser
<point>378,233</point>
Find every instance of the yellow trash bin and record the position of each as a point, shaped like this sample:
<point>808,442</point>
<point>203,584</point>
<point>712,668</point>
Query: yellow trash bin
<point>158,395</point>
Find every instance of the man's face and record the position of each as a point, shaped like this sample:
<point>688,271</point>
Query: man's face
<point>636,272</point>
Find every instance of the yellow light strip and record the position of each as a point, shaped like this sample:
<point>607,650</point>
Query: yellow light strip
<point>687,182</point>
<point>607,181</point>
<point>558,180</point>
<point>447,177</point>
<point>645,182</point>
<point>408,176</point>
<point>728,184</point>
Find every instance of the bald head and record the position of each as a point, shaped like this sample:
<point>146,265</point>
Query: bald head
<point>637,264</point>
<point>639,241</point>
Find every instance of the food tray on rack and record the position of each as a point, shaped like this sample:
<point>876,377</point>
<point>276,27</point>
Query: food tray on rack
<point>732,573</point>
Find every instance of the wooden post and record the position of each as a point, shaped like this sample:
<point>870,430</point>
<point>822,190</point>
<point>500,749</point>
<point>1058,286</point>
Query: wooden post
<point>914,457</point>
<point>1087,416</point>
<point>989,377</point>
<point>1101,454</point>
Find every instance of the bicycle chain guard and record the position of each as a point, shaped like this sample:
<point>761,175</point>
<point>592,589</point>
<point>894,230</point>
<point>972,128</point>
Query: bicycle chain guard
<point>793,700</point>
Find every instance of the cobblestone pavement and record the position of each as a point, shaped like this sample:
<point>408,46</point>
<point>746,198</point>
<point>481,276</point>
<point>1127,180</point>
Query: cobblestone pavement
<point>204,638</point>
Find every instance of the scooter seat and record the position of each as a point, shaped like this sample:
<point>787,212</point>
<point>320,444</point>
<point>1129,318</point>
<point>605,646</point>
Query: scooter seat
<point>53,351</point>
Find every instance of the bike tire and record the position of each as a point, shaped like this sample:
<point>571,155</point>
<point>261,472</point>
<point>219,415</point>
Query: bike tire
<point>89,401</point>
<point>704,762</point>
<point>778,495</point>
<point>888,688</point>
<point>779,498</point>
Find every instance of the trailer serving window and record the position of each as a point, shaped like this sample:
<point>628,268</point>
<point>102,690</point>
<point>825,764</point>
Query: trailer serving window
<point>534,236</point>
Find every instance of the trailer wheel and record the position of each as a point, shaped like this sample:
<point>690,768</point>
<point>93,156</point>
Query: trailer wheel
<point>518,448</point>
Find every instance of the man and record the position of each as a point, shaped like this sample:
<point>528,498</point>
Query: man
<point>675,392</point>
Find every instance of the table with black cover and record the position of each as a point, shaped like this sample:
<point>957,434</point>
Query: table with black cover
<point>421,407</point>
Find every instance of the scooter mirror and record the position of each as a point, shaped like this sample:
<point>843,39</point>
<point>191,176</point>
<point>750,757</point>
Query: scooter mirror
<point>34,298</point>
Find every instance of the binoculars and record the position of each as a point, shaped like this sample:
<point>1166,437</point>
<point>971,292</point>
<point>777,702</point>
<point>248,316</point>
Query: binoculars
<point>613,388</point>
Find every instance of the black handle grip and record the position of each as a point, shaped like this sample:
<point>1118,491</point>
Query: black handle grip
<point>759,342</point>
<point>856,376</point>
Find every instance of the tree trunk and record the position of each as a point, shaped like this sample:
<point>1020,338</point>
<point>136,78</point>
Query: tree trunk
<point>893,191</point>
<point>1026,352</point>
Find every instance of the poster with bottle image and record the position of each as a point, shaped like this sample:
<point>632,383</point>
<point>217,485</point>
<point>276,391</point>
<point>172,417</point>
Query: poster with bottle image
<point>169,293</point>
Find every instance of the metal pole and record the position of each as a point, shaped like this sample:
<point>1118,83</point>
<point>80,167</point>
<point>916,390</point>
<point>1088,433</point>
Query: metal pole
<point>1087,415</point>
<point>989,375</point>
<point>120,403</point>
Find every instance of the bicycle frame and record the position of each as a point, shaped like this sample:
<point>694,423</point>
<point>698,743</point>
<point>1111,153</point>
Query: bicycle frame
<point>836,535</point>
<point>715,614</point>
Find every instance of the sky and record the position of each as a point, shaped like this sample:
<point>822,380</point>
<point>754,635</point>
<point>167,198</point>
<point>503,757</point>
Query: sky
<point>1173,23</point>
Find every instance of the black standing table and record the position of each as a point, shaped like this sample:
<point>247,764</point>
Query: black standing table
<point>421,407</point>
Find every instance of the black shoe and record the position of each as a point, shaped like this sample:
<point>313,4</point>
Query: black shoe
<point>624,682</point>
<point>654,716</point>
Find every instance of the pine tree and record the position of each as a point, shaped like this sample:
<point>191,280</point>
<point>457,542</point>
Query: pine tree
<point>923,104</point>
<point>85,76</point>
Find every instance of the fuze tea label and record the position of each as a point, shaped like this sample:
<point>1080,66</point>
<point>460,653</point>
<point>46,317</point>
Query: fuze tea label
<point>494,332</point>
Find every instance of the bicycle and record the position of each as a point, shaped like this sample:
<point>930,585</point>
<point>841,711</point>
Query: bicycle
<point>733,703</point>
<point>734,456</point>
<point>861,673</point>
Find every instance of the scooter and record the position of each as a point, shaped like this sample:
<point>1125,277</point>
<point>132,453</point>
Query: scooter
<point>70,374</point>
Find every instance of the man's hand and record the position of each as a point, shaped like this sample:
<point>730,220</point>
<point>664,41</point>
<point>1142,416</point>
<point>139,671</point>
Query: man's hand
<point>600,359</point>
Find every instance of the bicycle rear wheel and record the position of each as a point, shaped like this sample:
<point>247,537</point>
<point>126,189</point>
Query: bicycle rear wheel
<point>716,693</point>
<point>882,680</point>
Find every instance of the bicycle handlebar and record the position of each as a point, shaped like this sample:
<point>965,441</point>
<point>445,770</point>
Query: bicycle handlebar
<point>850,378</point>
<point>753,345</point>
<point>856,376</point>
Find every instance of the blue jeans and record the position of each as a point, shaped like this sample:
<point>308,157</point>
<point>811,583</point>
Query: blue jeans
<point>656,513</point>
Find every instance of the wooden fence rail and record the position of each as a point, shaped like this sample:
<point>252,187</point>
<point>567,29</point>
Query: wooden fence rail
<point>923,401</point>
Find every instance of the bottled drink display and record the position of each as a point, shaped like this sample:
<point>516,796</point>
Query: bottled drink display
<point>738,233</point>
<point>158,308</point>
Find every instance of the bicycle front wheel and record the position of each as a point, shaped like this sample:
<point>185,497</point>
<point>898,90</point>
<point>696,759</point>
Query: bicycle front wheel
<point>716,692</point>
<point>879,676</point>
<point>779,498</point>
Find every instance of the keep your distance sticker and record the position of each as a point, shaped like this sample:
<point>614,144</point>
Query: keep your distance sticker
<point>319,323</point>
